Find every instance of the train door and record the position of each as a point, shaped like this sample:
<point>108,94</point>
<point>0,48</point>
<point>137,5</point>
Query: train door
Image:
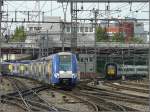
<point>40,71</point>
<point>43,70</point>
<point>29,68</point>
<point>26,70</point>
<point>32,70</point>
<point>49,71</point>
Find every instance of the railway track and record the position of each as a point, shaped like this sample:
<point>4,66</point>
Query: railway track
<point>135,84</point>
<point>127,87</point>
<point>36,102</point>
<point>102,103</point>
<point>114,95</point>
<point>28,99</point>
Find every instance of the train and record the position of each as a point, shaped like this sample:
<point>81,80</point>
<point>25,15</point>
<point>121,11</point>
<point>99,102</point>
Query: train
<point>60,69</point>
<point>115,71</point>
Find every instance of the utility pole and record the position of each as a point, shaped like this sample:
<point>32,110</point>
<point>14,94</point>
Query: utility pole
<point>95,47</point>
<point>1,4</point>
<point>64,25</point>
<point>73,26</point>
<point>47,40</point>
<point>149,54</point>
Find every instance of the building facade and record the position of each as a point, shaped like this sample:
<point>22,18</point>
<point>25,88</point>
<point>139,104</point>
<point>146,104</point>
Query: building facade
<point>52,34</point>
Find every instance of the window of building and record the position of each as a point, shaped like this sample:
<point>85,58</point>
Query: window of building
<point>81,29</point>
<point>77,29</point>
<point>37,28</point>
<point>86,59</point>
<point>81,59</point>
<point>86,29</point>
<point>68,29</point>
<point>91,29</point>
<point>30,28</point>
<point>90,59</point>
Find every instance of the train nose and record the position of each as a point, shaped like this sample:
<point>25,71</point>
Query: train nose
<point>65,74</point>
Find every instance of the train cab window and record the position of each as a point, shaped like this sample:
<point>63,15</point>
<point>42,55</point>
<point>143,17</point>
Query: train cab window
<point>65,62</point>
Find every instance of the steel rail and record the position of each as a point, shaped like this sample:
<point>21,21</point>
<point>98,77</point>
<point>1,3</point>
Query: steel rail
<point>124,87</point>
<point>114,95</point>
<point>102,102</point>
<point>20,94</point>
<point>91,103</point>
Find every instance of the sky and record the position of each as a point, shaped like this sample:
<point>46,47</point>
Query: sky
<point>52,8</point>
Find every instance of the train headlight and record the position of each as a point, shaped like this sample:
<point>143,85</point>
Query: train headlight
<point>56,75</point>
<point>74,75</point>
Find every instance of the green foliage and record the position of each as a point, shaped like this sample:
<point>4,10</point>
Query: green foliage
<point>118,37</point>
<point>136,40</point>
<point>101,34</point>
<point>19,35</point>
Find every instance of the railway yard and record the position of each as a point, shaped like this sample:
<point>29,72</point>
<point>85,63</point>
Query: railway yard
<point>74,55</point>
<point>20,95</point>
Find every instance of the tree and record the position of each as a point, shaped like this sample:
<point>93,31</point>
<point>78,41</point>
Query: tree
<point>118,37</point>
<point>136,40</point>
<point>101,34</point>
<point>19,35</point>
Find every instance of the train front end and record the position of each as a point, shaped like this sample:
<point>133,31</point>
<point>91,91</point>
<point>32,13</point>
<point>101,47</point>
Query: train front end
<point>65,69</point>
<point>111,71</point>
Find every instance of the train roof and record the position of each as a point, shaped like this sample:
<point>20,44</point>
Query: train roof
<point>64,53</point>
<point>25,61</point>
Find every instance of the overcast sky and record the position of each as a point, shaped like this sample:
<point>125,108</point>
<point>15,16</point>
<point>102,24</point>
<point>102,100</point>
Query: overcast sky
<point>135,10</point>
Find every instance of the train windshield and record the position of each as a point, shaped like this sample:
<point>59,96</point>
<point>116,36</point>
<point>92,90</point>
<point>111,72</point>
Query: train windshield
<point>65,63</point>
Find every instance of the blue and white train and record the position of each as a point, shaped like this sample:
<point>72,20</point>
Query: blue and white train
<point>58,69</point>
<point>113,70</point>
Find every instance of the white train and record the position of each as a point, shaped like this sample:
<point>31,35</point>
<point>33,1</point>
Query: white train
<point>113,70</point>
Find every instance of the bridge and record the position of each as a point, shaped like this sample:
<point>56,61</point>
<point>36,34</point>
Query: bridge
<point>82,47</point>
